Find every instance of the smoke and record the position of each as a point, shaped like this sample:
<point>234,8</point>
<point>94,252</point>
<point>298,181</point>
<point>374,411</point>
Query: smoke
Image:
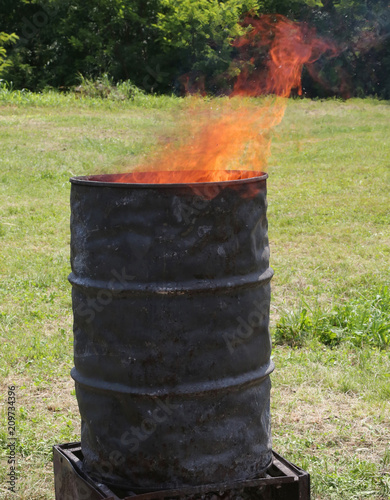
<point>361,34</point>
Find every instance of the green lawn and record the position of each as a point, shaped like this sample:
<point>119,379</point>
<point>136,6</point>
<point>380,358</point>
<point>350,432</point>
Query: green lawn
<point>329,217</point>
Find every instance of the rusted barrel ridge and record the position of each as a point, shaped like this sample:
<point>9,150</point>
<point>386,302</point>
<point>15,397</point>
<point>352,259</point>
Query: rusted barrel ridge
<point>171,300</point>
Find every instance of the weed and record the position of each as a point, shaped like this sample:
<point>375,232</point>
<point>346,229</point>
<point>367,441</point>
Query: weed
<point>360,321</point>
<point>105,88</point>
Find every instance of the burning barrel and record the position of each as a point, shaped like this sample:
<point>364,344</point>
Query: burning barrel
<point>171,296</point>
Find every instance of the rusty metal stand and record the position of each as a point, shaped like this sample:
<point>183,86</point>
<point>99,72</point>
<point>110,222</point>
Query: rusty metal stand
<point>283,481</point>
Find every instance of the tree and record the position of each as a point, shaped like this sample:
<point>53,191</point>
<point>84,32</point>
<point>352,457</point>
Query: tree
<point>61,38</point>
<point>196,35</point>
<point>361,29</point>
<point>154,42</point>
<point>106,36</point>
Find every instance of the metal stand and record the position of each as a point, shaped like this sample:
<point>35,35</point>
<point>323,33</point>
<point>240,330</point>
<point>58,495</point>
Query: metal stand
<point>283,481</point>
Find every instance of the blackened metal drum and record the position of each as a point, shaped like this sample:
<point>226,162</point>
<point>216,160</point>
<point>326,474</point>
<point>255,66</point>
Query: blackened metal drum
<point>171,298</point>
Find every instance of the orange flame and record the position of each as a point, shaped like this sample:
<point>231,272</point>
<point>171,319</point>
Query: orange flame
<point>236,136</point>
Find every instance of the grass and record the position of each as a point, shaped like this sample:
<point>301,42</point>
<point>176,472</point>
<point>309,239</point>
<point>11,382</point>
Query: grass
<point>360,321</point>
<point>89,97</point>
<point>329,216</point>
<point>331,416</point>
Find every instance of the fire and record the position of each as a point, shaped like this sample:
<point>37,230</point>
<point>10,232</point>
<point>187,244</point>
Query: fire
<point>176,177</point>
<point>234,136</point>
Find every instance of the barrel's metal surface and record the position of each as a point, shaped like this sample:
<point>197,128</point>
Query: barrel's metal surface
<point>171,296</point>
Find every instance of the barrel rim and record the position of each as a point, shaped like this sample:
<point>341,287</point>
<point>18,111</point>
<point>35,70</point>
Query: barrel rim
<point>93,181</point>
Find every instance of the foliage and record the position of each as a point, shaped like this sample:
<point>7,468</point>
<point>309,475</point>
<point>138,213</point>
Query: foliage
<point>60,39</point>
<point>361,30</point>
<point>361,321</point>
<point>155,42</point>
<point>5,40</point>
<point>108,98</point>
<point>104,87</point>
<point>196,36</point>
